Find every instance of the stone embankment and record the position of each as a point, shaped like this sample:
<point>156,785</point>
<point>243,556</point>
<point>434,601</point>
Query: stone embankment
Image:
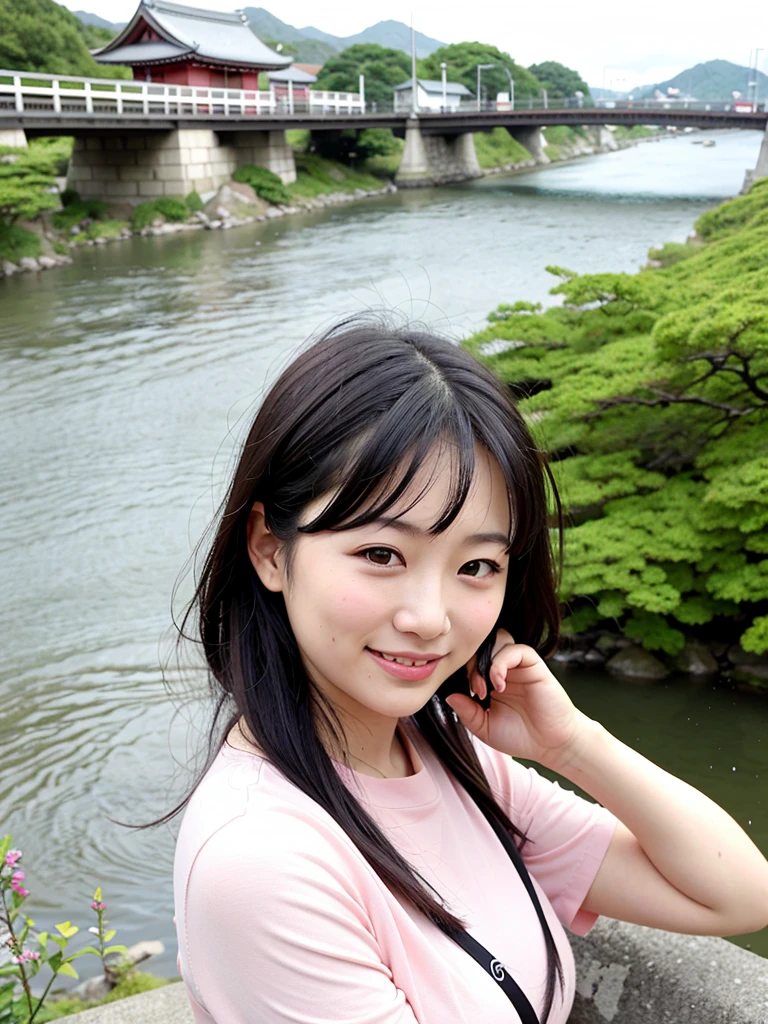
<point>747,672</point>
<point>233,205</point>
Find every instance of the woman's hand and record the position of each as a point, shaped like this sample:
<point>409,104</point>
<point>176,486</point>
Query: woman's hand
<point>530,716</point>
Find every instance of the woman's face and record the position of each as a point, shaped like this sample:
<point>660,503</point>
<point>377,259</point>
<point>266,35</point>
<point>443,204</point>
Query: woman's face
<point>357,599</point>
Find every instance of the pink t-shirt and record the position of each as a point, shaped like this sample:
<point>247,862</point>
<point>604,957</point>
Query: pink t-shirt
<point>280,918</point>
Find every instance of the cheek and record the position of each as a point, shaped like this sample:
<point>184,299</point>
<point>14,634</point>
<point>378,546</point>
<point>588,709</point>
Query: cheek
<point>348,606</point>
<point>481,613</point>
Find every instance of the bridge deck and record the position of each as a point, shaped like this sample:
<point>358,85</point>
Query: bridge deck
<point>40,122</point>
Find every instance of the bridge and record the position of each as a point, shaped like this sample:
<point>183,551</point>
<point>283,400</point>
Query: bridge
<point>192,138</point>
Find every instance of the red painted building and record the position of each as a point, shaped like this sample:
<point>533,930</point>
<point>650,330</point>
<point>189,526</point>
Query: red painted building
<point>176,45</point>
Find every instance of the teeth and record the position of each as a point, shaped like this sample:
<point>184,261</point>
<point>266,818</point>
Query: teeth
<point>403,661</point>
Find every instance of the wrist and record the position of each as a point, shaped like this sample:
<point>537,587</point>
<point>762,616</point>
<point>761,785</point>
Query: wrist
<point>568,759</point>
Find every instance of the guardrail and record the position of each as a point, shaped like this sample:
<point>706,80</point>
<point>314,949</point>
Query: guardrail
<point>23,91</point>
<point>469,106</point>
<point>27,91</point>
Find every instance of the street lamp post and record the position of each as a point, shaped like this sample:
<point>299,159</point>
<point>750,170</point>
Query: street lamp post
<point>443,67</point>
<point>757,74</point>
<point>511,83</point>
<point>481,67</point>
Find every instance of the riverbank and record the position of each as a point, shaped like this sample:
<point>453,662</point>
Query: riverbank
<point>44,243</point>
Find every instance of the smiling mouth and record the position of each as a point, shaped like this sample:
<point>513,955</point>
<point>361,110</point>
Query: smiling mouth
<point>410,662</point>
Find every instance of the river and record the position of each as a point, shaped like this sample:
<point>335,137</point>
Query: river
<point>127,379</point>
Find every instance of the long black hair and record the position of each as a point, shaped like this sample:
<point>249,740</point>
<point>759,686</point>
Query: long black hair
<point>354,416</point>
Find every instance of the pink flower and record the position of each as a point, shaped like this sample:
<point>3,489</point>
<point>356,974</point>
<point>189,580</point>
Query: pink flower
<point>19,888</point>
<point>11,857</point>
<point>26,954</point>
<point>98,905</point>
<point>18,876</point>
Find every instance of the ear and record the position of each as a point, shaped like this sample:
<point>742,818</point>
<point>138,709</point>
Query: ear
<point>265,550</point>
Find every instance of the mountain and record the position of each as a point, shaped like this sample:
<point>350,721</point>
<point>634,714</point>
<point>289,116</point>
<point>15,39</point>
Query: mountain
<point>272,30</point>
<point>393,34</point>
<point>386,33</point>
<point>97,22</point>
<point>712,81</point>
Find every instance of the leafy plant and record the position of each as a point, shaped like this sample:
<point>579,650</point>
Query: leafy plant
<point>194,202</point>
<point>265,184</point>
<point>17,1004</point>
<point>171,208</point>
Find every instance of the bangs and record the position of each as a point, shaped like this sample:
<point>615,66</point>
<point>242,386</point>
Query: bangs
<point>372,474</point>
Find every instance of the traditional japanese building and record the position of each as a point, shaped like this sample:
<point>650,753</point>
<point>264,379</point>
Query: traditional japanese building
<point>176,45</point>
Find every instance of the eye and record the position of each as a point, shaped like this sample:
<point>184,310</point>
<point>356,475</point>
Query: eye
<point>380,556</point>
<point>481,568</point>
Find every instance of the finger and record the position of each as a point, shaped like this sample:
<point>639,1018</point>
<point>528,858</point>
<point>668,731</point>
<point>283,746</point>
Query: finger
<point>478,684</point>
<point>470,714</point>
<point>503,639</point>
<point>513,656</point>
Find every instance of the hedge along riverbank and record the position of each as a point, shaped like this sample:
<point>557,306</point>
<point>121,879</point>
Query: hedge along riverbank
<point>649,391</point>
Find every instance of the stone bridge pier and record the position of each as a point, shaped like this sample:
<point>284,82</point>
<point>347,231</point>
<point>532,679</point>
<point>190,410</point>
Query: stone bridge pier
<point>533,141</point>
<point>761,170</point>
<point>134,166</point>
<point>432,159</point>
<point>436,159</point>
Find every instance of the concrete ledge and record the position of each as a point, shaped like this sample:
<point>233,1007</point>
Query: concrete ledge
<point>632,975</point>
<point>624,975</point>
<point>168,1005</point>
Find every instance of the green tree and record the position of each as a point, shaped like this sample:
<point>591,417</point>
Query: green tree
<point>27,184</point>
<point>559,81</point>
<point>650,391</point>
<point>383,68</point>
<point>462,60</point>
<point>40,35</point>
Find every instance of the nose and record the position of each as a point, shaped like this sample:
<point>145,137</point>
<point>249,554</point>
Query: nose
<point>422,611</point>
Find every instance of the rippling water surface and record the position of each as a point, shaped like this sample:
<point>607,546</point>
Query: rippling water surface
<point>126,381</point>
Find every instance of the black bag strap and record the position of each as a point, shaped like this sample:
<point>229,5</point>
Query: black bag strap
<point>480,954</point>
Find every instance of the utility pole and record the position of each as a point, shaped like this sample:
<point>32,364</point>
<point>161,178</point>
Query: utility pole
<point>443,67</point>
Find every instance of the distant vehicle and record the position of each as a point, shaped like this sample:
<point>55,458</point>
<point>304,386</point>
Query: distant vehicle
<point>742,106</point>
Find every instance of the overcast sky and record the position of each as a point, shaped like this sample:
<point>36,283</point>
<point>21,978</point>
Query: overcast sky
<point>619,44</point>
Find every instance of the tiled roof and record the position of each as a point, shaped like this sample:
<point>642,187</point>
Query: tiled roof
<point>211,35</point>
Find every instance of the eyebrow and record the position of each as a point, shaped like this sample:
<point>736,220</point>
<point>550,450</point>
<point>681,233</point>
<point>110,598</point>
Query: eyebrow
<point>416,531</point>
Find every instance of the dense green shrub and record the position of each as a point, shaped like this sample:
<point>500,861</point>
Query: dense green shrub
<point>172,208</point>
<point>194,202</point>
<point>653,399</point>
<point>17,242</point>
<point>77,210</point>
<point>69,195</point>
<point>264,183</point>
<point>144,214</point>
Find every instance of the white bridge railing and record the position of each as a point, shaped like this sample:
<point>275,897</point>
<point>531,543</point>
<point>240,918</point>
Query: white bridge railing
<point>26,91</point>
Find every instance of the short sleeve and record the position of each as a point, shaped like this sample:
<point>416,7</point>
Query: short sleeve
<point>278,934</point>
<point>568,835</point>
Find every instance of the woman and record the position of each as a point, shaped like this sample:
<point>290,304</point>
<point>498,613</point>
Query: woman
<point>374,612</point>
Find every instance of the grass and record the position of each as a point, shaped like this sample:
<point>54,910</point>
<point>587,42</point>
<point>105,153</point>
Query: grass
<point>132,984</point>
<point>16,242</point>
<point>316,176</point>
<point>497,147</point>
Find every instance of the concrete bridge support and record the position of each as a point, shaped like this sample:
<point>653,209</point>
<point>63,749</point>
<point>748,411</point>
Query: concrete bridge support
<point>533,141</point>
<point>133,166</point>
<point>761,170</point>
<point>436,159</point>
<point>13,137</point>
